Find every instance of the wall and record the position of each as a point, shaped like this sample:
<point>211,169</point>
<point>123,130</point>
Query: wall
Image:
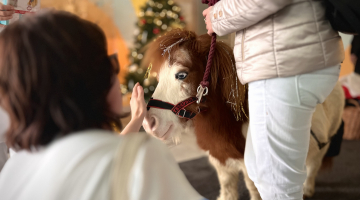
<point>347,66</point>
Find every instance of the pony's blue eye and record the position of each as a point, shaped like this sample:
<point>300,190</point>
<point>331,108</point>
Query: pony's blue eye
<point>181,75</point>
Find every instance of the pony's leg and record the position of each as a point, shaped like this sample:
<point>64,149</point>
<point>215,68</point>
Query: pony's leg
<point>228,177</point>
<point>254,193</point>
<point>313,164</point>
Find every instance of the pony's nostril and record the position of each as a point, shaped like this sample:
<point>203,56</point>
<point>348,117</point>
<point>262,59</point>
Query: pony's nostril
<point>153,123</point>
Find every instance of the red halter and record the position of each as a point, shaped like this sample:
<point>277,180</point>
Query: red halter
<point>178,109</point>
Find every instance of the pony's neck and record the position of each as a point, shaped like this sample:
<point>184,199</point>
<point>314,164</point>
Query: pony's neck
<point>218,132</point>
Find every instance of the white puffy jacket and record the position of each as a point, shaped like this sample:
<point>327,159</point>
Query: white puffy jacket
<point>278,38</point>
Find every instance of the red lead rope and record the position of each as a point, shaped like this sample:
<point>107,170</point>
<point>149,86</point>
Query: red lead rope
<point>205,81</point>
<point>203,87</point>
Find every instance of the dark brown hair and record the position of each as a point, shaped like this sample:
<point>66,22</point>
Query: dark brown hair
<point>55,75</point>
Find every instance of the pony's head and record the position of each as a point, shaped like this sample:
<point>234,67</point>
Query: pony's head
<point>179,57</point>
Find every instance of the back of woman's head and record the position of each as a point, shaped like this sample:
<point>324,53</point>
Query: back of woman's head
<point>55,75</point>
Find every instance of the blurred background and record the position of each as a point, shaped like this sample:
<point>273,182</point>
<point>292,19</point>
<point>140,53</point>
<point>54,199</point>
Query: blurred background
<point>131,24</point>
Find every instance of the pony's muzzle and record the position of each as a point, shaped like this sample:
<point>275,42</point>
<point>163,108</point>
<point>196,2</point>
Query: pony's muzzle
<point>151,124</point>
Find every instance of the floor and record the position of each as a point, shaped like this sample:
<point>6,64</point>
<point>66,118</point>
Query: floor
<point>342,182</point>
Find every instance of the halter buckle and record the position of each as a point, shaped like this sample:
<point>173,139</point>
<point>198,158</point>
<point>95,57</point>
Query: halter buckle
<point>201,91</point>
<point>183,116</point>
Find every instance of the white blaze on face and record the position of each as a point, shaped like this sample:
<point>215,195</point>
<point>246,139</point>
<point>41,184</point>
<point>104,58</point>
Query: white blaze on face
<point>171,88</point>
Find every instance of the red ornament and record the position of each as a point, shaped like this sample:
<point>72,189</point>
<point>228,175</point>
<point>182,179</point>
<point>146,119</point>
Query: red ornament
<point>156,31</point>
<point>143,21</point>
<point>181,18</point>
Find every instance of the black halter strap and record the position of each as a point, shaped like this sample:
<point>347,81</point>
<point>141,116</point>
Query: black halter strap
<point>320,144</point>
<point>178,109</point>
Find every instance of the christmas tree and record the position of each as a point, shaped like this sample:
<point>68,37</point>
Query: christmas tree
<point>155,17</point>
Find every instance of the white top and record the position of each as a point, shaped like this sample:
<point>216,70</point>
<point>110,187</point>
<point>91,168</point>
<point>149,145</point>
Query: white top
<point>78,167</point>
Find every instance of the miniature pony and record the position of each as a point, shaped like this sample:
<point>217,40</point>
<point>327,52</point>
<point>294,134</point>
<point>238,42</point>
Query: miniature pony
<point>221,119</point>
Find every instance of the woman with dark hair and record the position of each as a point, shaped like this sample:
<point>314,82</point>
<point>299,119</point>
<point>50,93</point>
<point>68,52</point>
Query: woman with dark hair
<point>59,87</point>
<point>6,12</point>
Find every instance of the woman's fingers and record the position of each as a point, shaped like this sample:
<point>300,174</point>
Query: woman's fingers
<point>208,20</point>
<point>204,13</point>
<point>134,94</point>
<point>210,31</point>
<point>6,13</point>
<point>5,18</point>
<point>6,7</point>
<point>140,92</point>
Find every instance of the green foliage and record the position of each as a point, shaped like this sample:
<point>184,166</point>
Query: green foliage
<point>156,17</point>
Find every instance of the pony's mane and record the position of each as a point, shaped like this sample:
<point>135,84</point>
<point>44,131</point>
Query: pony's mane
<point>223,72</point>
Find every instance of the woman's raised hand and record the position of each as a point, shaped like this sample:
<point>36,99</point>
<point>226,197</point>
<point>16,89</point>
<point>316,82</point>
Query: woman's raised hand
<point>6,12</point>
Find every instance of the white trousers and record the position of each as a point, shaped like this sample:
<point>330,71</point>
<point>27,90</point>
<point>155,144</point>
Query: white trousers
<point>279,133</point>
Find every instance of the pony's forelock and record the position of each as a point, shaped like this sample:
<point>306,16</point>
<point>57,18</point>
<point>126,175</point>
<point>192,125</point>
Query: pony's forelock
<point>166,45</point>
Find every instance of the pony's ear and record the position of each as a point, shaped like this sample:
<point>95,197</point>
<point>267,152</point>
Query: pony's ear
<point>224,79</point>
<point>153,55</point>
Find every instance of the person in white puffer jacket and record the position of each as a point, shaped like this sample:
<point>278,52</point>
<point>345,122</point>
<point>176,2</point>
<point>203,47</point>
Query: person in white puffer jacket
<point>288,53</point>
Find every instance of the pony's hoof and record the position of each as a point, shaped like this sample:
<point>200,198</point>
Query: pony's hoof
<point>255,197</point>
<point>308,192</point>
<point>227,198</point>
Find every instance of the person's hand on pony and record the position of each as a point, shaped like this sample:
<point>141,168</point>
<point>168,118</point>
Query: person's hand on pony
<point>138,110</point>
<point>6,12</point>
